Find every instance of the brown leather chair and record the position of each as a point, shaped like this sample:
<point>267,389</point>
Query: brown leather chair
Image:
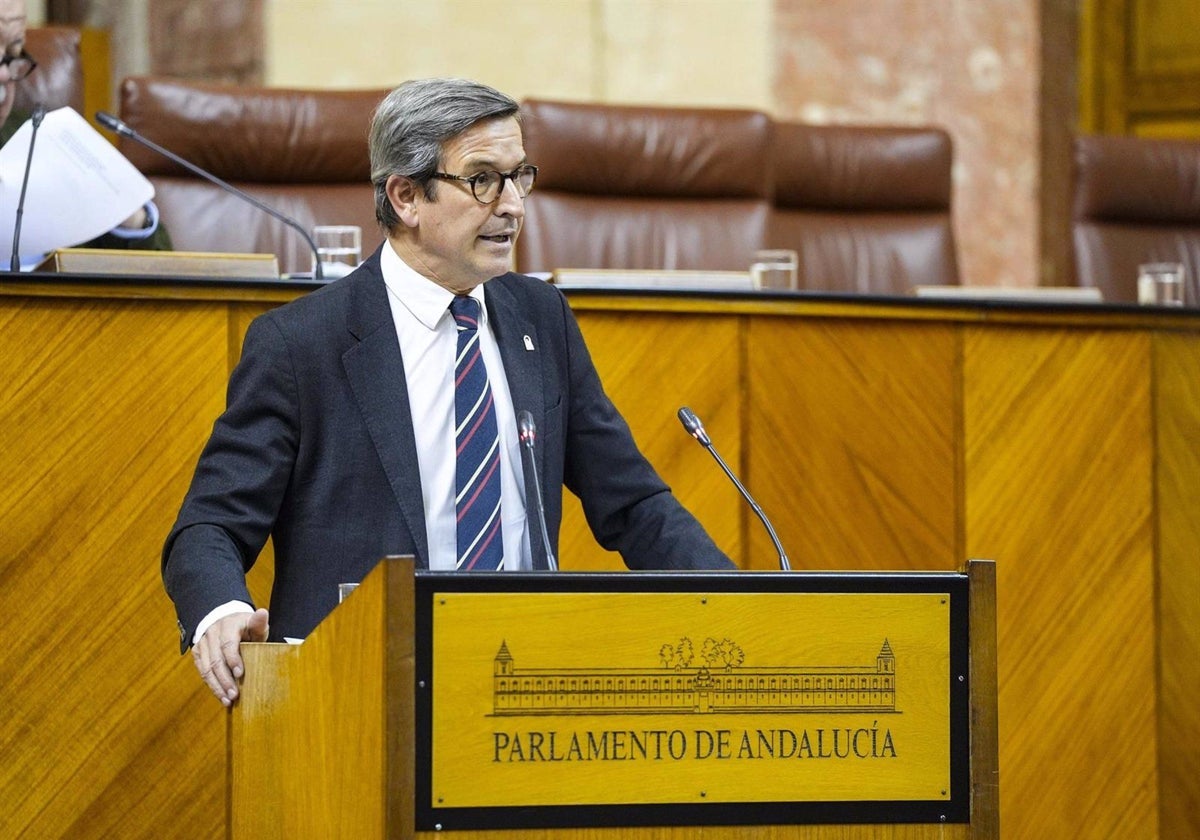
<point>58,79</point>
<point>1135,201</point>
<point>302,152</point>
<point>867,209</point>
<point>644,188</point>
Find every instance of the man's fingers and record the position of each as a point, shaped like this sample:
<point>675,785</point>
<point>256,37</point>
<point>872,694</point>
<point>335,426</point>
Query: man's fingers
<point>218,653</point>
<point>231,655</point>
<point>230,632</point>
<point>214,670</point>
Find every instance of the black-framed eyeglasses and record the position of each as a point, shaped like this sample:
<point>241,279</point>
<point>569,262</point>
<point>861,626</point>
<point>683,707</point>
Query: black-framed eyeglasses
<point>19,66</point>
<point>486,186</point>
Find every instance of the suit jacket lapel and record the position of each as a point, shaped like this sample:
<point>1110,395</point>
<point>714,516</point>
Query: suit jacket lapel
<point>376,374</point>
<point>520,348</point>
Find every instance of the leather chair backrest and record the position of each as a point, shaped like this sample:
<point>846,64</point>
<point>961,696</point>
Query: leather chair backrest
<point>644,187</point>
<point>302,152</point>
<point>1135,201</point>
<point>58,78</point>
<point>867,209</point>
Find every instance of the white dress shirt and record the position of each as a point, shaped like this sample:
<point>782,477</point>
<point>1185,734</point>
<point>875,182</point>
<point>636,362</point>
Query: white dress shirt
<point>428,345</point>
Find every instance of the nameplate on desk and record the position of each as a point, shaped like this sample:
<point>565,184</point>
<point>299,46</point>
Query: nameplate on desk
<point>160,263</point>
<point>625,708</point>
<point>618,280</point>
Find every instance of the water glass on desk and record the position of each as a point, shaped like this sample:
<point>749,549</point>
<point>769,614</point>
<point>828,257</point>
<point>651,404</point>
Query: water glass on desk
<point>774,270</point>
<point>339,248</point>
<point>1161,284</point>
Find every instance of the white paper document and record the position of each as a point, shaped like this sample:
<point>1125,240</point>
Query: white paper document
<point>80,186</point>
<point>640,279</point>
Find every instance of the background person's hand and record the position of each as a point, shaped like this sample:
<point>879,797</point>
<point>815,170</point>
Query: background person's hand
<point>137,221</point>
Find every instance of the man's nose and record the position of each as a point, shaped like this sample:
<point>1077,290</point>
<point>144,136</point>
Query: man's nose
<point>510,202</point>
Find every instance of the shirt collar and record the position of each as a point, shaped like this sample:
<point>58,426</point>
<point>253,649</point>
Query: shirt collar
<point>425,300</point>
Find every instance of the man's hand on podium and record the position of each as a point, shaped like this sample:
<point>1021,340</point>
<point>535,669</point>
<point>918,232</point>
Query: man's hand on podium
<point>218,654</point>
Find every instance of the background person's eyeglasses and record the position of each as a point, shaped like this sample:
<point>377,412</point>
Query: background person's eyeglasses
<point>486,186</point>
<point>19,66</point>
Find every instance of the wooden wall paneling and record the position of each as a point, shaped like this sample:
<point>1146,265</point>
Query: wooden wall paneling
<point>1164,68</point>
<point>1058,120</point>
<point>854,427</point>
<point>106,404</point>
<point>1039,432</point>
<point>95,47</point>
<point>1058,461</point>
<point>651,364</point>
<point>1090,66</point>
<point>1140,67</point>
<point>985,727</point>
<point>1177,428</point>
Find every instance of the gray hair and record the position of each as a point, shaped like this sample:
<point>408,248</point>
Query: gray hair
<point>414,120</point>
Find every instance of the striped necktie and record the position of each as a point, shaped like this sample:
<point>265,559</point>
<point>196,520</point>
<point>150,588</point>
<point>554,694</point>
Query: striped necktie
<point>477,447</point>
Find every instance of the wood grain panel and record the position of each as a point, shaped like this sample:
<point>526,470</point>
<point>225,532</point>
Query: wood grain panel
<point>1164,37</point>
<point>1059,493</point>
<point>1177,414</point>
<point>110,392</point>
<point>854,455</point>
<point>105,405</point>
<point>985,728</point>
<point>1139,67</point>
<point>651,364</point>
<point>327,698</point>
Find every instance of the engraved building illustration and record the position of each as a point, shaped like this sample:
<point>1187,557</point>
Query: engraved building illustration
<point>694,689</point>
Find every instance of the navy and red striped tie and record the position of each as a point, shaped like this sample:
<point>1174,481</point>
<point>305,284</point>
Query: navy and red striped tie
<point>477,444</point>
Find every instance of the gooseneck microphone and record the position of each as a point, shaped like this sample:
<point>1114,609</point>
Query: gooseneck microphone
<point>115,125</point>
<point>696,429</point>
<point>39,114</point>
<point>528,434</point>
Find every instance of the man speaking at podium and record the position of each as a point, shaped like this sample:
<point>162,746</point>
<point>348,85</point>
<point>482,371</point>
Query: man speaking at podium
<point>377,415</point>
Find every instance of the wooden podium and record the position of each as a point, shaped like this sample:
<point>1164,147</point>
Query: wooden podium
<point>412,710</point>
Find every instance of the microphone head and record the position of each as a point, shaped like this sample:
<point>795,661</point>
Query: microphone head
<point>693,425</point>
<point>526,428</point>
<point>113,124</point>
<point>39,114</point>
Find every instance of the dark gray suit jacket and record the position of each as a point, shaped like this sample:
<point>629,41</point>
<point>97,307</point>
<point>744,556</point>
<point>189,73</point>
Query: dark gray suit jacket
<point>316,449</point>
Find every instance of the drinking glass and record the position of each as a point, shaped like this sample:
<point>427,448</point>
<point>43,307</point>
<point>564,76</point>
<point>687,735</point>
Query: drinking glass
<point>774,270</point>
<point>339,248</point>
<point>1161,284</point>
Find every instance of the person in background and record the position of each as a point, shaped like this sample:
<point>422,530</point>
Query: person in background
<point>142,230</point>
<point>378,415</point>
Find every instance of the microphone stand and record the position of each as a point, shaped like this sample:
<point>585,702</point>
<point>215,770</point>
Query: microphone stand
<point>113,124</point>
<point>528,433</point>
<point>39,114</point>
<point>696,429</point>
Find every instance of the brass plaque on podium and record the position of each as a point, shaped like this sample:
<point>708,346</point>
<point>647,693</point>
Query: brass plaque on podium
<point>747,701</point>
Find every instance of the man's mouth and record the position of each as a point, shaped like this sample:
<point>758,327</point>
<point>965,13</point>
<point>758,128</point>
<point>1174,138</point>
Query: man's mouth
<point>500,238</point>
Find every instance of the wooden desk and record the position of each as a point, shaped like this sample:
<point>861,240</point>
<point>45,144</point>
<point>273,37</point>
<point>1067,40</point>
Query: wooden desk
<point>1060,442</point>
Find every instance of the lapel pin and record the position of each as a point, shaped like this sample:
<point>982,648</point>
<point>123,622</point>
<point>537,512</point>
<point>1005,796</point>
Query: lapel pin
<point>528,343</point>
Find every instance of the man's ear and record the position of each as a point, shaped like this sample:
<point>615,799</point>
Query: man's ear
<point>406,197</point>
